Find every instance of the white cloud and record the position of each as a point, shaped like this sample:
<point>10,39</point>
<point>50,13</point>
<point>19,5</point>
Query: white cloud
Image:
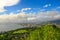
<point>25,9</point>
<point>47,5</point>
<point>32,18</point>
<point>18,10</point>
<point>42,10</point>
<point>2,10</point>
<point>4,3</point>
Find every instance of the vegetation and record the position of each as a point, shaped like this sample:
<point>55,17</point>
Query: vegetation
<point>46,32</point>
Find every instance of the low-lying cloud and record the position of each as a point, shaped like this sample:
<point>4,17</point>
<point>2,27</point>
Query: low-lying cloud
<point>11,21</point>
<point>22,17</point>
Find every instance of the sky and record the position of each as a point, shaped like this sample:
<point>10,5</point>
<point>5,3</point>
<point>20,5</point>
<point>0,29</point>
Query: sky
<point>13,12</point>
<point>23,11</point>
<point>36,5</point>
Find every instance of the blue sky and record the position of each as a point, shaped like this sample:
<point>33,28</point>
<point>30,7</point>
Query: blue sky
<point>35,5</point>
<point>29,10</point>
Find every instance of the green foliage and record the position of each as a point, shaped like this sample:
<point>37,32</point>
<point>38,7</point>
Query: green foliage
<point>46,32</point>
<point>19,31</point>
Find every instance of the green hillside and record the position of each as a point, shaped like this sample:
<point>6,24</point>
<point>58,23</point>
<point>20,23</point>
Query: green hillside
<point>46,32</point>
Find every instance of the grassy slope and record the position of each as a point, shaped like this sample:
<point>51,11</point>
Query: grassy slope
<point>46,32</point>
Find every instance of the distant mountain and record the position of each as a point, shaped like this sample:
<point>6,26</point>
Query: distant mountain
<point>55,22</point>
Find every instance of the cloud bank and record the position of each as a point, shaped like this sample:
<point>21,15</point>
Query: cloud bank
<point>10,21</point>
<point>22,17</point>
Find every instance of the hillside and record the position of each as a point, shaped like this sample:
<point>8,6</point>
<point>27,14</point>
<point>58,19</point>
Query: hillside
<point>45,32</point>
